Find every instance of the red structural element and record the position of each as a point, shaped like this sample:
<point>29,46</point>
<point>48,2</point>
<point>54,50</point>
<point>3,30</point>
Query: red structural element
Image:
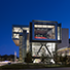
<point>40,37</point>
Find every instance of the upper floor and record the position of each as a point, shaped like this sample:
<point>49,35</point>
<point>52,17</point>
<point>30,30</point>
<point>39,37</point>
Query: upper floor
<point>39,31</point>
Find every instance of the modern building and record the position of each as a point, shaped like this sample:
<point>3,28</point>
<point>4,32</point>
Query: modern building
<point>41,38</point>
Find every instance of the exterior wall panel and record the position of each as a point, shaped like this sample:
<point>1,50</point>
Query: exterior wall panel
<point>65,39</point>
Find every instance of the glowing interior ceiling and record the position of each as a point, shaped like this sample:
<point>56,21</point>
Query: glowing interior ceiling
<point>44,26</point>
<point>17,29</point>
<point>62,49</point>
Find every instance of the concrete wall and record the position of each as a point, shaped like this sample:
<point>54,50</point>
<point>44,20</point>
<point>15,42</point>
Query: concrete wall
<point>65,38</point>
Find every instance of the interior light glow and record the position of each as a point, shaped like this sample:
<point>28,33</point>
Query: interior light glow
<point>15,35</point>
<point>17,29</point>
<point>27,29</point>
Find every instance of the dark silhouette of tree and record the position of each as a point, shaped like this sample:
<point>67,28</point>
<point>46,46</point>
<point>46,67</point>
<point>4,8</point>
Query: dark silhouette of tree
<point>61,58</point>
<point>28,58</point>
<point>68,60</point>
<point>65,58</point>
<point>42,58</point>
<point>0,57</point>
<point>45,58</point>
<point>56,55</point>
<point>7,57</point>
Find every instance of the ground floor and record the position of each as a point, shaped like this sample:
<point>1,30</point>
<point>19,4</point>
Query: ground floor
<point>45,49</point>
<point>39,50</point>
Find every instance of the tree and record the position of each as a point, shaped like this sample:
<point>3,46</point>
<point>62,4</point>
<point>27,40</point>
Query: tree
<point>42,58</point>
<point>56,55</point>
<point>28,58</point>
<point>0,57</point>
<point>61,58</point>
<point>5,57</point>
<point>45,58</point>
<point>68,60</point>
<point>56,58</point>
<point>65,58</point>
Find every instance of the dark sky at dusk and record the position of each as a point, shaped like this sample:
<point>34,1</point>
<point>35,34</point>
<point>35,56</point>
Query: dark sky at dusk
<point>21,12</point>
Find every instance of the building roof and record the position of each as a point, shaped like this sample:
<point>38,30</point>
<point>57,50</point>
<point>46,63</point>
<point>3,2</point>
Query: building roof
<point>20,25</point>
<point>44,21</point>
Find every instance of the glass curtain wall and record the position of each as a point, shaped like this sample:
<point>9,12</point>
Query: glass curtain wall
<point>38,49</point>
<point>59,33</point>
<point>44,31</point>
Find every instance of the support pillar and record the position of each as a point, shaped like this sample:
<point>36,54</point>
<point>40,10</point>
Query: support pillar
<point>22,46</point>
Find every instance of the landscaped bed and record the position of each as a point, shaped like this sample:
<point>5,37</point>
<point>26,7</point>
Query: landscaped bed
<point>31,66</point>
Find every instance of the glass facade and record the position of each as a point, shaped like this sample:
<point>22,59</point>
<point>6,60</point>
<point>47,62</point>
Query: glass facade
<point>17,30</point>
<point>44,31</point>
<point>38,49</point>
<point>59,33</point>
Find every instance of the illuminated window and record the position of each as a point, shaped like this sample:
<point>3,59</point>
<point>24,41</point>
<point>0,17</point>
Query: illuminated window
<point>59,33</point>
<point>15,35</point>
<point>44,26</point>
<point>17,29</point>
<point>50,26</point>
<point>35,25</point>
<point>44,32</point>
<point>27,29</point>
